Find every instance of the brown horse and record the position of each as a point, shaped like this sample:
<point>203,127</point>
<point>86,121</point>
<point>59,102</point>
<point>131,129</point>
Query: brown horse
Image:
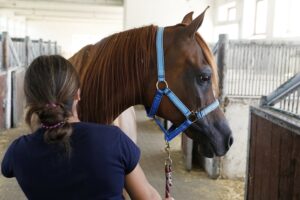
<point>121,71</point>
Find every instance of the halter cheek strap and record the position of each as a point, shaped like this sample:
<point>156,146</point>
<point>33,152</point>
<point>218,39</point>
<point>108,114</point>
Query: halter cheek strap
<point>190,116</point>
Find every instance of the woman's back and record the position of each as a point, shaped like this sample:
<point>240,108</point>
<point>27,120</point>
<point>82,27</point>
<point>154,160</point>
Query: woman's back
<point>100,156</point>
<point>65,159</point>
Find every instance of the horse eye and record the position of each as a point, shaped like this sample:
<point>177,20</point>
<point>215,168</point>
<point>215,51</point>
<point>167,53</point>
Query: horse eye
<point>204,77</point>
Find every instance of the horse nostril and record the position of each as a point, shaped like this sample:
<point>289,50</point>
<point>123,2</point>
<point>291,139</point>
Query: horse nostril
<point>230,141</point>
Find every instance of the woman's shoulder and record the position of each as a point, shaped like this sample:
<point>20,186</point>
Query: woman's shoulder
<point>88,126</point>
<point>93,130</point>
<point>19,141</point>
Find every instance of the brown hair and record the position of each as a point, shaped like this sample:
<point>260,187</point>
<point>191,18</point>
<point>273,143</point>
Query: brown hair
<point>50,86</point>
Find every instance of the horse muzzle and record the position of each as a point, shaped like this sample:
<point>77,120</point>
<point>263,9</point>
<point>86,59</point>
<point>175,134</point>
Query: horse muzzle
<point>215,139</point>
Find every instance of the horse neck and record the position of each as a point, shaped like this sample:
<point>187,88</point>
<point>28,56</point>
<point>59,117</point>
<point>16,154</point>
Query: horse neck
<point>124,78</point>
<point>123,97</point>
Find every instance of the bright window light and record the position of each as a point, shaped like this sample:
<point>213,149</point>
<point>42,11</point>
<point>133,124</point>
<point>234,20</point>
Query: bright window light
<point>227,12</point>
<point>260,17</point>
<point>231,14</point>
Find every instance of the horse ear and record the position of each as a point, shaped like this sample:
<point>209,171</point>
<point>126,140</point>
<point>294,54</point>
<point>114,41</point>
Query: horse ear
<point>196,23</point>
<point>188,18</point>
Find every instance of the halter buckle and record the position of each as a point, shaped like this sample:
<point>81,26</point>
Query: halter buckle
<point>192,117</point>
<point>162,83</point>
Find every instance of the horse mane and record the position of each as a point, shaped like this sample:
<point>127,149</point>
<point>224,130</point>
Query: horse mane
<point>120,60</point>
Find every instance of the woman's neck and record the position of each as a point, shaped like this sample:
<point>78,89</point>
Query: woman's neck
<point>73,119</point>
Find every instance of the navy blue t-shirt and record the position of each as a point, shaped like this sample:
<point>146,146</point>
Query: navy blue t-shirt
<point>101,156</point>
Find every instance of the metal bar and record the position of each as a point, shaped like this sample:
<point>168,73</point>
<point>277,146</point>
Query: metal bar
<point>252,66</point>
<point>289,102</point>
<point>276,76</point>
<point>215,49</point>
<point>298,101</point>
<point>55,48</point>
<point>242,69</point>
<point>281,92</point>
<point>27,48</point>
<point>234,74</point>
<point>293,102</point>
<point>229,69</point>
<point>238,69</point>
<point>41,52</point>
<point>258,68</point>
<point>14,53</point>
<point>17,39</point>
<point>247,75</point>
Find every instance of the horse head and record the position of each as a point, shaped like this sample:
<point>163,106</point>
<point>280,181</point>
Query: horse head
<point>191,74</point>
<point>121,71</point>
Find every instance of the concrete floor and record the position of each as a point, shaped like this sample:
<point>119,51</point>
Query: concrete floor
<point>194,185</point>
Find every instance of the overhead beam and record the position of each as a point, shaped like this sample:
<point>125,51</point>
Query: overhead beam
<point>68,14</point>
<point>59,6</point>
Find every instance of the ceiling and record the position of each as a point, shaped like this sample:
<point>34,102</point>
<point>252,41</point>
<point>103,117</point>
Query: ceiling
<point>98,2</point>
<point>93,2</point>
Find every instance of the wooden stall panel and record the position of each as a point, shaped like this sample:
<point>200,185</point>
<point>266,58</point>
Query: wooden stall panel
<point>286,169</point>
<point>2,99</point>
<point>251,167</point>
<point>296,162</point>
<point>274,162</point>
<point>18,97</point>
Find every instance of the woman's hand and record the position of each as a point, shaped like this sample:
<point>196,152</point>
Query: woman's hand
<point>138,187</point>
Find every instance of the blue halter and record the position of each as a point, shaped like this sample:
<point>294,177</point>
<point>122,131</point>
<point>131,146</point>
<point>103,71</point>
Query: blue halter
<point>190,116</point>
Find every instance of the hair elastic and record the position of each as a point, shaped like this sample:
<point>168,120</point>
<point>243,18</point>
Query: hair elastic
<point>53,126</point>
<point>51,105</point>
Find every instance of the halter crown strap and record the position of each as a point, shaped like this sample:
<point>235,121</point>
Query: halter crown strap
<point>173,131</point>
<point>160,54</point>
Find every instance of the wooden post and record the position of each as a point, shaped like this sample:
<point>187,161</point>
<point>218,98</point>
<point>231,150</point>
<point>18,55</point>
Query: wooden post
<point>41,52</point>
<point>222,68</point>
<point>27,51</point>
<point>5,50</point>
<point>5,64</point>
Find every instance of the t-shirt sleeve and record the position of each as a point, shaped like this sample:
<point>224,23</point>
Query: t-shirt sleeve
<point>130,153</point>
<point>7,162</point>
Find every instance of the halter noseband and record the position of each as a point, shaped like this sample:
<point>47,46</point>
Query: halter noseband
<point>190,116</point>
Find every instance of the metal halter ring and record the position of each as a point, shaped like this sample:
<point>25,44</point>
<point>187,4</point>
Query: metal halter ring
<point>165,84</point>
<point>192,117</point>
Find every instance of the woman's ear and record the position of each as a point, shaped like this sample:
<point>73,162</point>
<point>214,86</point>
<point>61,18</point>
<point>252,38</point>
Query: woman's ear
<point>77,95</point>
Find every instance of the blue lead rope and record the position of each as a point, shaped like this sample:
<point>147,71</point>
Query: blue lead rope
<point>173,131</point>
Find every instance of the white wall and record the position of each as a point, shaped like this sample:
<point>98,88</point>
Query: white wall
<point>72,25</point>
<point>14,25</point>
<point>70,35</point>
<point>237,113</point>
<point>281,17</point>
<point>166,12</point>
<point>221,23</point>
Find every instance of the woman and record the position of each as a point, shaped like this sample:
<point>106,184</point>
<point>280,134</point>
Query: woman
<point>64,158</point>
